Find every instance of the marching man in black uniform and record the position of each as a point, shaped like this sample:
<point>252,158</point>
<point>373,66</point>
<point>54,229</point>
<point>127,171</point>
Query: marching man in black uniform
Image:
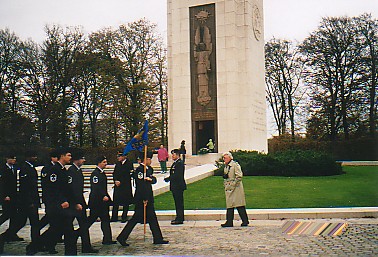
<point>8,199</point>
<point>30,203</point>
<point>177,186</point>
<point>58,197</point>
<point>143,194</point>
<point>122,186</point>
<point>76,185</point>
<point>53,160</point>
<point>99,201</point>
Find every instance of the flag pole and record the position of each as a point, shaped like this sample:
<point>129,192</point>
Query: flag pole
<point>145,201</point>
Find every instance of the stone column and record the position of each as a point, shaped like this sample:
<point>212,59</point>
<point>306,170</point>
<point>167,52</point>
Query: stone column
<point>240,121</point>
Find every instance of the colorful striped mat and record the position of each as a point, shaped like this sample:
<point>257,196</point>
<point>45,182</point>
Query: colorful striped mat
<point>313,228</point>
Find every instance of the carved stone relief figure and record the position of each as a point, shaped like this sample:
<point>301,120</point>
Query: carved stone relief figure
<point>202,50</point>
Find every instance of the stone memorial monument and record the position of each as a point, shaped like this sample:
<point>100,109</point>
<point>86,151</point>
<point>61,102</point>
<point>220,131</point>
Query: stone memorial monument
<point>216,87</point>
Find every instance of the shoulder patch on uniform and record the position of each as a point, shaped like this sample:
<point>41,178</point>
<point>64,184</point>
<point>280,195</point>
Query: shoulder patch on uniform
<point>69,179</point>
<point>95,179</point>
<point>140,175</point>
<point>53,177</point>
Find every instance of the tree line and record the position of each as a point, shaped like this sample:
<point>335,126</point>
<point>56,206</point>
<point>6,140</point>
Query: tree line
<point>85,91</point>
<point>96,90</point>
<point>328,82</point>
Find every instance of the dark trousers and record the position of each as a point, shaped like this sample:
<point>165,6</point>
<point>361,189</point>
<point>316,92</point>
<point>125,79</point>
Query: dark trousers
<point>60,223</point>
<point>178,196</point>
<point>242,213</point>
<point>101,212</point>
<point>138,218</point>
<point>115,212</point>
<point>83,230</point>
<point>9,212</point>
<point>30,212</point>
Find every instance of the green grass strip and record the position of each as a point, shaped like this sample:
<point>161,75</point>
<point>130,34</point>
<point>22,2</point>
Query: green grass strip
<point>356,188</point>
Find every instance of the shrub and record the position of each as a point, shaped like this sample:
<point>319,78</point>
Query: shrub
<point>285,163</point>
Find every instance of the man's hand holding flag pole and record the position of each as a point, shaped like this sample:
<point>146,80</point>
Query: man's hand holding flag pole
<point>138,142</point>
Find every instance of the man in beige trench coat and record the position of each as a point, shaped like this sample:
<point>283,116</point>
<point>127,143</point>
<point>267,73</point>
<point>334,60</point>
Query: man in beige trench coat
<point>233,187</point>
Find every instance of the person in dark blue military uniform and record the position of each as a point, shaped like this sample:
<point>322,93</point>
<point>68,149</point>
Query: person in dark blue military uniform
<point>30,201</point>
<point>122,186</point>
<point>177,185</point>
<point>99,200</point>
<point>53,160</point>
<point>76,186</point>
<point>143,194</point>
<point>9,198</point>
<point>58,208</point>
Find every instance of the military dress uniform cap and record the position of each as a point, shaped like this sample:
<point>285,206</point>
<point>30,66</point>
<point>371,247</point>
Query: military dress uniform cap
<point>11,156</point>
<point>176,151</point>
<point>78,157</point>
<point>100,159</point>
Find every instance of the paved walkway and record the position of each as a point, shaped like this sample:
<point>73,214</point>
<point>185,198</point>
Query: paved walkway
<point>207,238</point>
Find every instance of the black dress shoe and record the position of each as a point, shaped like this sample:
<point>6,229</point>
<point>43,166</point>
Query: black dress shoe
<point>13,238</point>
<point>123,220</point>
<point>244,224</point>
<point>53,251</point>
<point>122,242</point>
<point>109,242</point>
<point>89,250</point>
<point>161,242</point>
<point>176,222</point>
<point>227,225</point>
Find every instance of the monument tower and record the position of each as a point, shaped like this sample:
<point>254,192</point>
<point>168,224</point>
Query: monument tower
<point>216,87</point>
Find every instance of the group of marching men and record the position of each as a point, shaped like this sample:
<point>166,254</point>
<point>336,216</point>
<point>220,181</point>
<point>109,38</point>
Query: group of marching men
<point>62,195</point>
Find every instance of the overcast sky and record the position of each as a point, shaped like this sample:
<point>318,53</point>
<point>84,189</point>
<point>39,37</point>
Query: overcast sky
<point>290,19</point>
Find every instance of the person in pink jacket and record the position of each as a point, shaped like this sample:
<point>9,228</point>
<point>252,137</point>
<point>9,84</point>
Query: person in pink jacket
<point>163,158</point>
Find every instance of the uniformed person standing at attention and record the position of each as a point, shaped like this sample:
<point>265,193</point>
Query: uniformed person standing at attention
<point>99,200</point>
<point>143,193</point>
<point>177,185</point>
<point>58,208</point>
<point>122,186</point>
<point>76,185</point>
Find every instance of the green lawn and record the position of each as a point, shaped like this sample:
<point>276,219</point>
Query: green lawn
<point>358,187</point>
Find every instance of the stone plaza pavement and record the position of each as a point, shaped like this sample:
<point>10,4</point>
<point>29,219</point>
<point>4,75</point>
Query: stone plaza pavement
<point>207,238</point>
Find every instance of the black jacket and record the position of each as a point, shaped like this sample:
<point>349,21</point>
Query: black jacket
<point>8,183</point>
<point>99,189</point>
<point>28,193</point>
<point>122,173</point>
<point>55,188</point>
<point>144,188</point>
<point>44,178</point>
<point>76,185</point>
<point>176,176</point>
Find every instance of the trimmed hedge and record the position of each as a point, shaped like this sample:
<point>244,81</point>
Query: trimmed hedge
<point>289,163</point>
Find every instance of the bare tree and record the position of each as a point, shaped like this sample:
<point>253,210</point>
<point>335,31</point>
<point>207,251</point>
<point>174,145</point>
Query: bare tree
<point>332,56</point>
<point>367,27</point>
<point>282,77</point>
<point>59,55</point>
